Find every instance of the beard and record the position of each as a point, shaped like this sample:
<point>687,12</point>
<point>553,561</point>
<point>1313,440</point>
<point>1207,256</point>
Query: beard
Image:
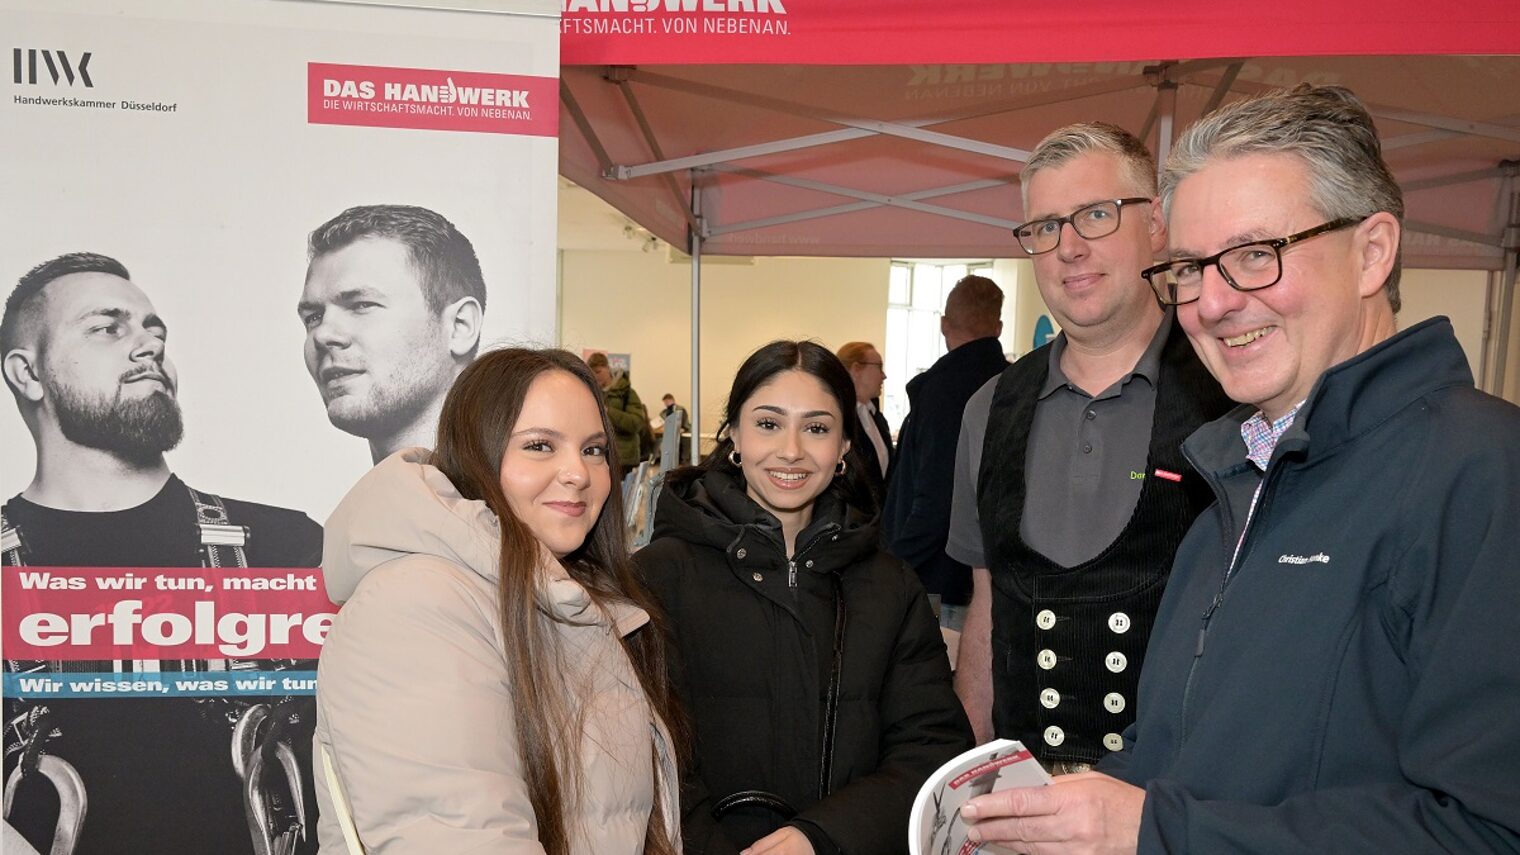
<point>138,431</point>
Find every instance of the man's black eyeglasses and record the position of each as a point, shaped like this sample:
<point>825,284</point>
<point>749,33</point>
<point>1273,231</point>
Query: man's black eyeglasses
<point>1247,267</point>
<point>1100,219</point>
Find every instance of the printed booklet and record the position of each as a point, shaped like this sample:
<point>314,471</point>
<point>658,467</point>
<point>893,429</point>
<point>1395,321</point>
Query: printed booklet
<point>935,826</point>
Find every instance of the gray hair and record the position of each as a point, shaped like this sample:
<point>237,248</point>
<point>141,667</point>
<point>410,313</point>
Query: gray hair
<point>1325,127</point>
<point>1065,144</point>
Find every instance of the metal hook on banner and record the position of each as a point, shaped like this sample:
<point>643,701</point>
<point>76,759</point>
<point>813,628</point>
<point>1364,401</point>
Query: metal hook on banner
<point>245,733</point>
<point>274,801</point>
<point>72,800</point>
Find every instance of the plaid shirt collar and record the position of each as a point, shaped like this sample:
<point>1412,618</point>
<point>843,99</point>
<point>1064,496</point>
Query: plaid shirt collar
<point>1261,436</point>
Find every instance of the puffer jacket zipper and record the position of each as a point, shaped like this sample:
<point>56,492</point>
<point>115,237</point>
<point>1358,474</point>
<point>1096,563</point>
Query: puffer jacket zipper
<point>791,563</point>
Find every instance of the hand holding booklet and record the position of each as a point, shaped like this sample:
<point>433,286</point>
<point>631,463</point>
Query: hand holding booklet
<point>935,827</point>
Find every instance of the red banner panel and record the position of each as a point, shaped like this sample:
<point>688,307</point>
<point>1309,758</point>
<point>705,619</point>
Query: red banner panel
<point>431,99</point>
<point>103,613</point>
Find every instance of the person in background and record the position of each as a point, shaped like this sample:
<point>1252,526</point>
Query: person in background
<point>671,406</point>
<point>495,680</point>
<point>683,453</point>
<point>625,411</point>
<point>1332,668</point>
<point>872,439</point>
<point>916,518</point>
<point>812,667</point>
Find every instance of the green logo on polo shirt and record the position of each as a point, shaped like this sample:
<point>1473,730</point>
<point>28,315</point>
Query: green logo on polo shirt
<point>1136,476</point>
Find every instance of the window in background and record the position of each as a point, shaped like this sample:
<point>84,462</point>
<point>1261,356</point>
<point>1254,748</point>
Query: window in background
<point>915,300</point>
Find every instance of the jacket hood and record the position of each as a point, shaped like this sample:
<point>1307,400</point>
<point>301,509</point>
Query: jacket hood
<point>712,509</point>
<point>404,506</point>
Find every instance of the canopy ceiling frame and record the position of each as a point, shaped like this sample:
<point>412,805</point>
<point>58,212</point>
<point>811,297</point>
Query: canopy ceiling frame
<point>1165,78</point>
<point>739,171</point>
<point>1162,77</point>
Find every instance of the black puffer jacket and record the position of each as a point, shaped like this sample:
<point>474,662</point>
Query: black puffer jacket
<point>755,633</point>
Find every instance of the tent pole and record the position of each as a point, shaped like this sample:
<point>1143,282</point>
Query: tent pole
<point>696,320</point>
<point>1485,360</point>
<point>1166,98</point>
<point>1506,313</point>
<point>1511,243</point>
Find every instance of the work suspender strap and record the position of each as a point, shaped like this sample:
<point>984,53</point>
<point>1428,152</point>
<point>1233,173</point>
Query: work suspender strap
<point>222,543</point>
<point>12,548</point>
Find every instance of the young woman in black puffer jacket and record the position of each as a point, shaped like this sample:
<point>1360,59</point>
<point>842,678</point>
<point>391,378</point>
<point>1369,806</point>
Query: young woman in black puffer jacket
<point>814,672</point>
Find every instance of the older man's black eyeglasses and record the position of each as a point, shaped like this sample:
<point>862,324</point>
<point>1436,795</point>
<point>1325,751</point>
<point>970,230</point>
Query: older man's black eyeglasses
<point>1246,267</point>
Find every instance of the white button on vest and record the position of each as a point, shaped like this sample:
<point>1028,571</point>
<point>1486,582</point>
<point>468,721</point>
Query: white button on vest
<point>1050,699</point>
<point>1113,702</point>
<point>1047,659</point>
<point>1119,623</point>
<point>1116,661</point>
<point>1113,742</point>
<point>757,577</point>
<point>1046,619</point>
<point>740,553</point>
<point>1054,736</point>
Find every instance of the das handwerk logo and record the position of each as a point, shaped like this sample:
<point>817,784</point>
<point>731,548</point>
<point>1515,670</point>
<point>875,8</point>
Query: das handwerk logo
<point>760,7</point>
<point>648,17</point>
<point>34,66</point>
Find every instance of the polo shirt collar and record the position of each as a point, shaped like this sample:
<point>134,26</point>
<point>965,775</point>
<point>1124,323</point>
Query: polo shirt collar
<point>1148,366</point>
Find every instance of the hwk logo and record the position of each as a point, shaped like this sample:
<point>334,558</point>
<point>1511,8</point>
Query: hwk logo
<point>56,64</point>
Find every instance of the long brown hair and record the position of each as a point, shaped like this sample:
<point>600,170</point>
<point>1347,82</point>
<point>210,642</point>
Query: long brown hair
<point>477,419</point>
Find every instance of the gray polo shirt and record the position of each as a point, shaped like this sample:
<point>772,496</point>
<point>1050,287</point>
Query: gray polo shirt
<point>1084,466</point>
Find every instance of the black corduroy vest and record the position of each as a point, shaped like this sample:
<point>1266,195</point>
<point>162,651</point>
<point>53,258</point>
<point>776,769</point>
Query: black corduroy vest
<point>1067,642</point>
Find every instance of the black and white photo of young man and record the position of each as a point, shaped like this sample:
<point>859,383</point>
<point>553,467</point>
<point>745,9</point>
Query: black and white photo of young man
<point>392,306</point>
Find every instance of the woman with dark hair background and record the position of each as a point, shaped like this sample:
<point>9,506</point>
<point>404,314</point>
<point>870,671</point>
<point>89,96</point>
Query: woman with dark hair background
<point>813,670</point>
<point>493,682</point>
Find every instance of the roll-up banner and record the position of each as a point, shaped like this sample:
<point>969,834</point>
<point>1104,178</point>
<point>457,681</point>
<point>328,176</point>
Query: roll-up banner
<point>246,246</point>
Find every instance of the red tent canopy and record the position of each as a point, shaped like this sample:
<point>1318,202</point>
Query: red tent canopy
<point>859,128</point>
<point>893,32</point>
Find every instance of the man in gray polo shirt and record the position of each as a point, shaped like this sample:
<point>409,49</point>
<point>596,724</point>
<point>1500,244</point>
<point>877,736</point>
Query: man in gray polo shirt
<point>1071,493</point>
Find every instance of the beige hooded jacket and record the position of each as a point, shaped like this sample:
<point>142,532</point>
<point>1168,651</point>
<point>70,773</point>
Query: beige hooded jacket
<point>414,708</point>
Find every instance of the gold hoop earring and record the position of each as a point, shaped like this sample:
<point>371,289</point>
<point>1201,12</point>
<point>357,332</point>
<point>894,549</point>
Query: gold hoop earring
<point>841,468</point>
<point>733,456</point>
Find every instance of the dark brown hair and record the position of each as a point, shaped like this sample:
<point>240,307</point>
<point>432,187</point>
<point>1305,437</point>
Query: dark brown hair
<point>760,368</point>
<point>443,257</point>
<point>478,415</point>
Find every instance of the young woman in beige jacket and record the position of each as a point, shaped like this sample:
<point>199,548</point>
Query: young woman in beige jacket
<point>493,682</point>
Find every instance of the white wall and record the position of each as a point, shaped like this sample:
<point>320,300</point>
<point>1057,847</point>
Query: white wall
<point>639,303</point>
<point>1458,294</point>
<point>1022,304</point>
